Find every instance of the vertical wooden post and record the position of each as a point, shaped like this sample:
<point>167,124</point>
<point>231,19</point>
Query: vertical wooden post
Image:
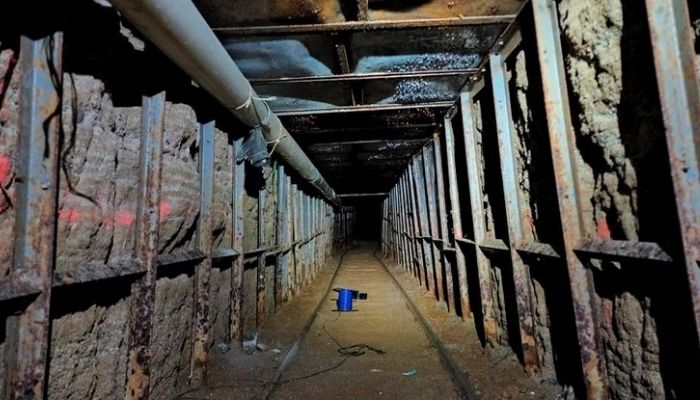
<point>143,291</point>
<point>41,71</point>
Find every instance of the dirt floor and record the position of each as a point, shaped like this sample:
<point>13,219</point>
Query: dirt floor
<point>398,361</point>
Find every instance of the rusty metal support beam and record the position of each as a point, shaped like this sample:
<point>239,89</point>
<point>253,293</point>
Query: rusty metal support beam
<point>41,69</point>
<point>418,260</point>
<point>363,26</point>
<point>347,76</point>
<point>408,252</point>
<point>434,229</point>
<point>675,61</point>
<point>513,200</point>
<point>563,142</point>
<point>261,260</point>
<point>403,224</point>
<point>442,216</point>
<point>378,194</point>
<point>456,214</point>
<point>237,274</point>
<point>623,250</point>
<point>416,171</point>
<point>362,10</point>
<point>366,108</point>
<point>282,236</point>
<point>296,234</point>
<point>474,170</point>
<point>143,291</point>
<point>202,273</point>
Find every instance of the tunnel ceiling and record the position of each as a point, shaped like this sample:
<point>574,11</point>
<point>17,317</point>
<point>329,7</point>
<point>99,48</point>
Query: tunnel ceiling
<point>361,88</point>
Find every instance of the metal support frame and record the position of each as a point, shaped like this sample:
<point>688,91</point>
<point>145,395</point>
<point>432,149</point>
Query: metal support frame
<point>202,274</point>
<point>419,189</point>
<point>491,332</point>
<point>442,217</point>
<point>420,257</point>
<point>506,149</point>
<point>147,232</point>
<point>562,141</point>
<point>456,212</point>
<point>237,277</point>
<point>281,263</point>
<point>675,61</point>
<point>260,298</point>
<point>41,70</point>
<point>434,229</point>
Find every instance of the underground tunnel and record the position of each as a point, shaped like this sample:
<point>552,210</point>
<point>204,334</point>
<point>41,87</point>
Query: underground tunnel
<point>350,199</point>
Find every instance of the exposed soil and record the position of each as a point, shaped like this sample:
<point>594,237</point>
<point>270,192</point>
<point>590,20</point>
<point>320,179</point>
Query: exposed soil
<point>383,322</point>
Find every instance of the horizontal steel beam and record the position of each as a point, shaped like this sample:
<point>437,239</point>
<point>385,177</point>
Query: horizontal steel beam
<point>361,26</point>
<point>366,108</point>
<point>623,250</point>
<point>429,128</point>
<point>377,194</point>
<point>374,76</point>
<point>377,141</point>
<point>96,272</point>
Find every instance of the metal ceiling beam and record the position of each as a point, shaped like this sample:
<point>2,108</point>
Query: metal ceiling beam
<point>373,76</point>
<point>351,129</point>
<point>366,108</point>
<point>362,26</point>
<point>360,142</point>
<point>377,194</point>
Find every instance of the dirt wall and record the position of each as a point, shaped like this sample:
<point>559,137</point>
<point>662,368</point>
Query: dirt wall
<point>626,192</point>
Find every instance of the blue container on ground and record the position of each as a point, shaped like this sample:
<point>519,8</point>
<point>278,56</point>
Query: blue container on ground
<point>344,300</point>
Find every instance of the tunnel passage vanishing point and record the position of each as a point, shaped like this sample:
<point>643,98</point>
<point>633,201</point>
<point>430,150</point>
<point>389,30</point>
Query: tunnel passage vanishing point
<point>180,177</point>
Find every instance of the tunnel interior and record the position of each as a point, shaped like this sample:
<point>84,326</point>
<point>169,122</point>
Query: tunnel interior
<point>187,186</point>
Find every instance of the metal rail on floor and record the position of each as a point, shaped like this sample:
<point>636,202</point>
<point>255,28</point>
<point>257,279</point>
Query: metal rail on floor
<point>460,378</point>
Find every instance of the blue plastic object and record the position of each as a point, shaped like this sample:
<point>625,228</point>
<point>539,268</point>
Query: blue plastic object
<point>344,300</point>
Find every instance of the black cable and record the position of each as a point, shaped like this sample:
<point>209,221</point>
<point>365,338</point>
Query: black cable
<point>354,350</point>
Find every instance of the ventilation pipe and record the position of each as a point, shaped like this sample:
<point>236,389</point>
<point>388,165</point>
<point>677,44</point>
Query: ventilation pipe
<point>178,29</point>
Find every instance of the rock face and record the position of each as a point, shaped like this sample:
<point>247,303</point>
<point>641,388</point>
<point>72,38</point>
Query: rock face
<point>9,115</point>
